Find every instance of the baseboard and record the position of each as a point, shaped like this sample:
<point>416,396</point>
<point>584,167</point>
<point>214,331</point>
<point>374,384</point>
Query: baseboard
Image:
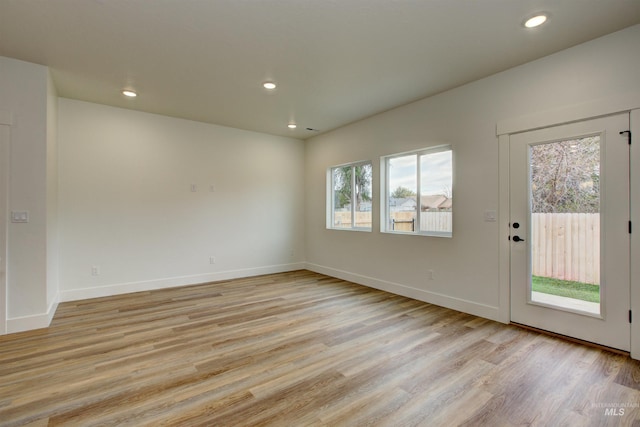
<point>171,282</point>
<point>36,321</point>
<point>446,301</point>
<point>43,320</point>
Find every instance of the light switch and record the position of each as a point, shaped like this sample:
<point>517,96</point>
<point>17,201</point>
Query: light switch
<point>19,216</point>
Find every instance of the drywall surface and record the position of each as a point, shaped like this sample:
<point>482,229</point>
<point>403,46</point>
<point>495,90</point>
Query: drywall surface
<point>148,201</point>
<point>52,193</point>
<point>466,267</point>
<point>23,94</point>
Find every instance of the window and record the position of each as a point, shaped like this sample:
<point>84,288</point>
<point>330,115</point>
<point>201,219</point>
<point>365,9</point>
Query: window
<point>350,203</point>
<point>418,192</point>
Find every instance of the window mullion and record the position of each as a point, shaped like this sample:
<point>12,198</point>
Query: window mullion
<point>333,197</point>
<point>353,197</point>
<point>387,198</point>
<point>418,191</point>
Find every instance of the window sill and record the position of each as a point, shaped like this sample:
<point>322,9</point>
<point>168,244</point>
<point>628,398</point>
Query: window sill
<point>362,230</point>
<point>423,234</point>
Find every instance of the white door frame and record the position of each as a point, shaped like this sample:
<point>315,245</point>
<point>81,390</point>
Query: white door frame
<point>5,135</point>
<point>573,113</point>
<point>635,235</point>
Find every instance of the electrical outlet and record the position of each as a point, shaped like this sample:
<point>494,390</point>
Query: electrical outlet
<point>431,275</point>
<point>95,270</point>
<point>19,216</point>
<point>490,216</point>
<point>212,260</point>
<point>194,188</point>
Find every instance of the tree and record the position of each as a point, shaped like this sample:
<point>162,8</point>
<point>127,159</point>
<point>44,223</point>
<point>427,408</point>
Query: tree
<point>402,193</point>
<point>565,176</point>
<point>343,181</point>
<point>447,191</point>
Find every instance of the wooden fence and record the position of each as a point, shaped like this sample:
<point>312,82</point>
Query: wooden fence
<point>343,219</point>
<point>566,246</point>
<point>431,221</point>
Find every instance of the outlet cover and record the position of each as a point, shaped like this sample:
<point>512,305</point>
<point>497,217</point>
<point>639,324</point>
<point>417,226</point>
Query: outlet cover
<point>19,216</point>
<point>490,216</point>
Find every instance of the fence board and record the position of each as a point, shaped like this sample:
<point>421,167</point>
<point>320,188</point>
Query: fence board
<point>566,246</point>
<point>342,219</point>
<point>431,221</point>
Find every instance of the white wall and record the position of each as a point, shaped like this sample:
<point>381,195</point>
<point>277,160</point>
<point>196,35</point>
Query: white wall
<point>23,93</point>
<point>52,195</point>
<point>467,266</point>
<point>126,203</point>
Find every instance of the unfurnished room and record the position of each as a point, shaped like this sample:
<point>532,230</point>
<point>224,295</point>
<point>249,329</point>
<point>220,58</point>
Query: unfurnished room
<point>319,213</point>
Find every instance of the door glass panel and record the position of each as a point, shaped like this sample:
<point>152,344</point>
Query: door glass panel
<point>565,224</point>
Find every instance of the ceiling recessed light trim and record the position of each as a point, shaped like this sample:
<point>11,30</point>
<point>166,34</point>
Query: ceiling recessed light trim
<point>269,85</point>
<point>292,125</point>
<point>129,93</point>
<point>536,20</point>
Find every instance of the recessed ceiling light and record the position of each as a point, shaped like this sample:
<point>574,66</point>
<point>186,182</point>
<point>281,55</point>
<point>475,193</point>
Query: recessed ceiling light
<point>536,20</point>
<point>269,85</point>
<point>129,93</point>
<point>292,126</point>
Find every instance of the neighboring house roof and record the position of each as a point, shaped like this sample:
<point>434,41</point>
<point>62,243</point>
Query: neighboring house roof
<point>402,201</point>
<point>435,201</point>
<point>364,207</point>
<point>447,204</point>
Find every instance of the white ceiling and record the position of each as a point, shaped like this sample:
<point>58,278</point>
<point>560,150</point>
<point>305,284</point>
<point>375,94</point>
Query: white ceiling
<point>335,61</point>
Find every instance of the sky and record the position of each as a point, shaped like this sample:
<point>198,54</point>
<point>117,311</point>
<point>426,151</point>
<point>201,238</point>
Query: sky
<point>436,170</point>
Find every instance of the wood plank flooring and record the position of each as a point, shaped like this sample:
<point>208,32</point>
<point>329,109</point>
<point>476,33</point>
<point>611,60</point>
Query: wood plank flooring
<point>301,349</point>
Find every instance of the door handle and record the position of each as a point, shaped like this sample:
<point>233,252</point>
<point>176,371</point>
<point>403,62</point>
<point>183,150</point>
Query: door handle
<point>517,239</point>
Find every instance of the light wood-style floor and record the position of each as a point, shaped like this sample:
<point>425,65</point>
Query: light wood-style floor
<point>299,349</point>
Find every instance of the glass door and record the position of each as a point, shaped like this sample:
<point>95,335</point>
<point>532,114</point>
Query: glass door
<point>569,193</point>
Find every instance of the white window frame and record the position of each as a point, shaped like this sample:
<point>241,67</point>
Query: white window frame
<point>385,193</point>
<point>331,198</point>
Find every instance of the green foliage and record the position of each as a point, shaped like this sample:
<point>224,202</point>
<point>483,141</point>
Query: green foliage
<point>566,288</point>
<point>402,193</point>
<point>343,181</point>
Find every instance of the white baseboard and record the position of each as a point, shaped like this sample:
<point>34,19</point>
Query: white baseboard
<point>35,321</point>
<point>43,320</point>
<point>446,301</point>
<point>172,282</point>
